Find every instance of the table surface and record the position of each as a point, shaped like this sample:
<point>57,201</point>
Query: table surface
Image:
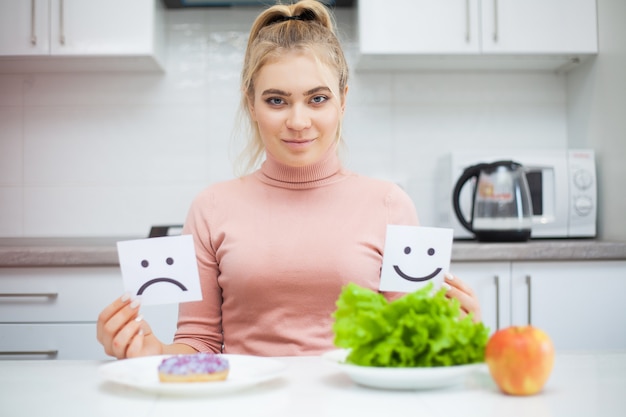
<point>580,385</point>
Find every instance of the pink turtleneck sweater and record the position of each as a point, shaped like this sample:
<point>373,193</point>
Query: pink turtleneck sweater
<point>274,250</point>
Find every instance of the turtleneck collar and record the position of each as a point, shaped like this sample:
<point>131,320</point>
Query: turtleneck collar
<point>323,172</point>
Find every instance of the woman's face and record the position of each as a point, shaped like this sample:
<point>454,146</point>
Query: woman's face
<point>296,113</point>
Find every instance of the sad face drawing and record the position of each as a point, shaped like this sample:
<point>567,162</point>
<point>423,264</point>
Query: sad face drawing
<point>160,270</point>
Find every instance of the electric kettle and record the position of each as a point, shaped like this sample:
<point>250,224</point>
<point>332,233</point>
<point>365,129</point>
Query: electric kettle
<point>501,209</point>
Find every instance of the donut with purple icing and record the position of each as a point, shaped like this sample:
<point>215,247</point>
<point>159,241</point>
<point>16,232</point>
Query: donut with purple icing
<point>197,367</point>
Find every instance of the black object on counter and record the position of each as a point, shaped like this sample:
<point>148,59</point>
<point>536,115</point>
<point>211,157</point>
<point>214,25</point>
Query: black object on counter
<point>165,230</point>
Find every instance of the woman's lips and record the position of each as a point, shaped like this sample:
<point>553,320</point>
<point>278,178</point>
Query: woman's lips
<point>298,143</point>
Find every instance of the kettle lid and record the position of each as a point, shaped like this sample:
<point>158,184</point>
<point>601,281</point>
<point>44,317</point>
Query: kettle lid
<point>493,166</point>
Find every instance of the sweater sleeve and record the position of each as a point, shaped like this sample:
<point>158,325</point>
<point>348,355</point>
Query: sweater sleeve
<point>200,322</point>
<point>400,208</point>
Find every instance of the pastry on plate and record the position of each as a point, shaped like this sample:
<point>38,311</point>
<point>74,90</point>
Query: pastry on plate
<point>197,367</point>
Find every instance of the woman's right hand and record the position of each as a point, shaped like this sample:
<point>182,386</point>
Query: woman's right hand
<point>123,333</point>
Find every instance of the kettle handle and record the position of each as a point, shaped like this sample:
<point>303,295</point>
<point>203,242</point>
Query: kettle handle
<point>469,173</point>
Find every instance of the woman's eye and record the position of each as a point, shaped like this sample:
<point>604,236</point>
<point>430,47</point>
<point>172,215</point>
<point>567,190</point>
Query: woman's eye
<point>275,101</point>
<point>319,99</point>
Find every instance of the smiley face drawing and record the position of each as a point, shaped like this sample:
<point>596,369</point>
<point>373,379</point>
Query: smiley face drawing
<point>415,256</point>
<point>407,251</point>
<point>160,270</point>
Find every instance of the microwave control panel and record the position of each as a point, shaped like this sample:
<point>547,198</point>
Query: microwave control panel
<point>583,189</point>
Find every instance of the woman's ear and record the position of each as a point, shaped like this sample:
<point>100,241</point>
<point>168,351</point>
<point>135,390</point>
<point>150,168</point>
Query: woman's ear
<point>343,99</point>
<point>250,104</point>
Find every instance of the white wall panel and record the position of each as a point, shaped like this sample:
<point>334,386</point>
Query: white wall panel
<point>11,212</point>
<point>104,210</point>
<point>111,154</point>
<point>10,146</point>
<point>11,90</point>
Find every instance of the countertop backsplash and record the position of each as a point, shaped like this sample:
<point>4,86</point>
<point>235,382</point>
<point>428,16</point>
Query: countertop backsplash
<point>100,154</point>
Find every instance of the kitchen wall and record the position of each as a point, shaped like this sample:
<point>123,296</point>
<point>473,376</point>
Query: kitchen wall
<point>112,154</point>
<point>597,115</point>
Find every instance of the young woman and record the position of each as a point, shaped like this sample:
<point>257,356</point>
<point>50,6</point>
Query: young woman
<point>276,246</point>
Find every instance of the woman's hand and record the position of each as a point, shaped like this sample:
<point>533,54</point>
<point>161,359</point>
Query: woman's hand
<point>124,333</point>
<point>462,292</point>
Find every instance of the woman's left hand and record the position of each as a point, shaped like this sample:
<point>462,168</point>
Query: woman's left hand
<point>466,296</point>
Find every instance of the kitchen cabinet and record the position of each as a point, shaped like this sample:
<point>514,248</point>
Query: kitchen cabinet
<point>51,312</point>
<point>538,34</point>
<point>42,35</point>
<point>418,27</point>
<point>491,282</point>
<point>24,27</point>
<point>578,303</point>
<point>539,26</point>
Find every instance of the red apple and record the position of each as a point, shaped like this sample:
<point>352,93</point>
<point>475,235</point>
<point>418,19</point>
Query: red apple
<point>520,359</point>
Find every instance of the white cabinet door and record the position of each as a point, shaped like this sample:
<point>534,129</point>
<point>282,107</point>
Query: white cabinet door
<point>579,304</point>
<point>38,341</point>
<point>418,26</point>
<point>539,26</point>
<point>491,283</point>
<point>24,27</point>
<point>98,35</point>
<point>48,313</point>
<point>102,27</point>
<point>475,34</point>
<point>70,294</point>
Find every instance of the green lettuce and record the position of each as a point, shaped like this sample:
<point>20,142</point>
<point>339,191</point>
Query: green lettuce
<point>420,329</point>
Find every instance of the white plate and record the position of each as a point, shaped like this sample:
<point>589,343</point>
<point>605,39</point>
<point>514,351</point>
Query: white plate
<point>402,378</point>
<point>141,373</point>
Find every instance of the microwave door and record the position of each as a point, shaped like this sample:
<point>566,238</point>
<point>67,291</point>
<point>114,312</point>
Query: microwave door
<point>549,212</point>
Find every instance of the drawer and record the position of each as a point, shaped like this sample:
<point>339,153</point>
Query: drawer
<point>50,341</point>
<point>61,294</point>
<point>58,297</point>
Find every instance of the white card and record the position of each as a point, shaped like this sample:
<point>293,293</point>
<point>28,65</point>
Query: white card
<point>160,270</point>
<point>415,256</point>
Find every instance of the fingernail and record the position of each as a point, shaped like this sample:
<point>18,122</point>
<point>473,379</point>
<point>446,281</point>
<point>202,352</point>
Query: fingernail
<point>135,303</point>
<point>140,332</point>
<point>446,286</point>
<point>125,297</point>
<point>449,276</point>
<point>139,318</point>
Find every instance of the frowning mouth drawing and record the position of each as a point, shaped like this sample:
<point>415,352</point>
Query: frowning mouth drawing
<point>157,280</point>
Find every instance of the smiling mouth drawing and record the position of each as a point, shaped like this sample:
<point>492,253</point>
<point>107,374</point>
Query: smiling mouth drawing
<point>415,279</point>
<point>155,280</point>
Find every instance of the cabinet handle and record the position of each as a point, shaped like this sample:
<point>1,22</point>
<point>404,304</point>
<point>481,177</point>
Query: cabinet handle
<point>29,294</point>
<point>61,22</point>
<point>33,23</point>
<point>495,21</point>
<point>29,352</point>
<point>496,280</point>
<point>528,300</point>
<point>467,21</point>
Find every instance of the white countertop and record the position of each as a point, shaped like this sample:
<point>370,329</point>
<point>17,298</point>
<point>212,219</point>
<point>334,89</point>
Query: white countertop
<point>580,385</point>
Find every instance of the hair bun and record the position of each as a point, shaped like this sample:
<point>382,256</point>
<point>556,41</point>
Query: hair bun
<point>306,15</point>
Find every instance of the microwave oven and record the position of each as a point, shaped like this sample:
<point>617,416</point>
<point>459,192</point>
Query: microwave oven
<point>562,185</point>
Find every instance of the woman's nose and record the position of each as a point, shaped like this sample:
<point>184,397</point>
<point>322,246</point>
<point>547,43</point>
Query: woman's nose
<point>298,118</point>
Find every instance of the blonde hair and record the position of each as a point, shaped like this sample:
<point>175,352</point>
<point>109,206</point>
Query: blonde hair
<point>303,26</point>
